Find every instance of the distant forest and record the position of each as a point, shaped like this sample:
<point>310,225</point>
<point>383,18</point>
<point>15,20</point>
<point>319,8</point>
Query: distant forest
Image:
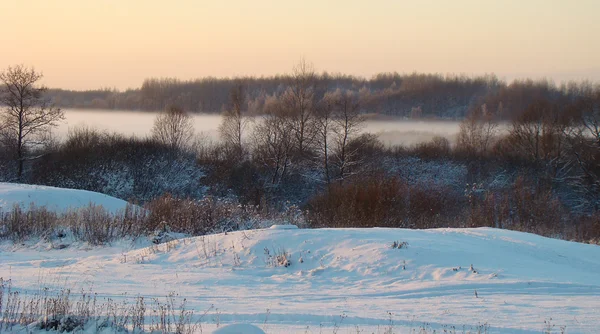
<point>405,95</point>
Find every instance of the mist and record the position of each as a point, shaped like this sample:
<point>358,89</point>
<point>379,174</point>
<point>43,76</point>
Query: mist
<point>391,130</point>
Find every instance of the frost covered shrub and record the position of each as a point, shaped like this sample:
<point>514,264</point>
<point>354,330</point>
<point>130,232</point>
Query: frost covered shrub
<point>228,175</point>
<point>127,168</point>
<point>439,172</point>
<point>8,165</point>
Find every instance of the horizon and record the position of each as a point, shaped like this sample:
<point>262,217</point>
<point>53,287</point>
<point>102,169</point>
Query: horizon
<point>508,81</point>
<point>90,45</point>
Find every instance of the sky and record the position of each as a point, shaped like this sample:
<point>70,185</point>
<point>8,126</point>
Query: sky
<point>88,44</point>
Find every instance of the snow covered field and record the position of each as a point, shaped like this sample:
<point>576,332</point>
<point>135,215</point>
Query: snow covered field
<point>340,280</point>
<point>287,280</point>
<point>54,199</point>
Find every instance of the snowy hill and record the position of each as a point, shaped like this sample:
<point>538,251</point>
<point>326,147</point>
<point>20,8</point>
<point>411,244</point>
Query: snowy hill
<point>343,280</point>
<point>55,199</point>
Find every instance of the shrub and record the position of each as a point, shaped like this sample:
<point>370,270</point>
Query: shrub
<point>438,147</point>
<point>92,224</point>
<point>399,244</point>
<point>524,206</point>
<point>277,257</point>
<point>196,217</point>
<point>127,168</point>
<point>65,312</point>
<point>18,223</point>
<point>588,229</point>
<point>381,202</point>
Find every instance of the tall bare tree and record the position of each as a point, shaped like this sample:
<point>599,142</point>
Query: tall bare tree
<point>583,138</point>
<point>173,128</point>
<point>538,132</point>
<point>324,124</point>
<point>234,123</point>
<point>272,141</point>
<point>26,114</point>
<point>477,131</point>
<point>347,122</point>
<point>299,103</point>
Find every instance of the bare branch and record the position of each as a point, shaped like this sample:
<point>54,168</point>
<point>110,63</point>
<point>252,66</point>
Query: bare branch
<point>25,113</point>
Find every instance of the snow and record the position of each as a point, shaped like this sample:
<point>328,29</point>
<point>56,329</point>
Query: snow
<point>284,227</point>
<point>55,199</point>
<point>340,280</point>
<point>239,329</point>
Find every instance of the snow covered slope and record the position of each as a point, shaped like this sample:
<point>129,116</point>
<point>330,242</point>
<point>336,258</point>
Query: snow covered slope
<point>343,280</point>
<point>56,199</point>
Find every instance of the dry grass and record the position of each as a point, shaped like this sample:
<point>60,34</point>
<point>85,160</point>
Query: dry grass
<point>97,226</point>
<point>65,311</point>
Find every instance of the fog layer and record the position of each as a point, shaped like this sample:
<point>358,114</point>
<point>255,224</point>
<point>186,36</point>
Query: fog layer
<point>391,131</point>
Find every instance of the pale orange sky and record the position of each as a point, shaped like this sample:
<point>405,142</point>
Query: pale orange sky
<point>85,44</point>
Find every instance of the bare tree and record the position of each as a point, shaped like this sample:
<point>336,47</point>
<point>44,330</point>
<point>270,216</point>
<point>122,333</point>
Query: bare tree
<point>324,123</point>
<point>366,155</point>
<point>173,128</point>
<point>234,123</point>
<point>583,138</point>
<point>272,142</point>
<point>538,132</point>
<point>347,124</point>
<point>26,113</point>
<point>299,103</point>
<point>589,125</point>
<point>477,131</point>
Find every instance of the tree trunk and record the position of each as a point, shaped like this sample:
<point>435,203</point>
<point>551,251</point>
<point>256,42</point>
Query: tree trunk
<point>20,148</point>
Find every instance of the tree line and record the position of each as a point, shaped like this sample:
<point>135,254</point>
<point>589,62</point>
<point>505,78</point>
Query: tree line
<point>408,95</point>
<point>414,95</point>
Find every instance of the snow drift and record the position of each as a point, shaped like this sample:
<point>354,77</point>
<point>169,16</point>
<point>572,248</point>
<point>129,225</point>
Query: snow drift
<point>350,278</point>
<point>54,199</point>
